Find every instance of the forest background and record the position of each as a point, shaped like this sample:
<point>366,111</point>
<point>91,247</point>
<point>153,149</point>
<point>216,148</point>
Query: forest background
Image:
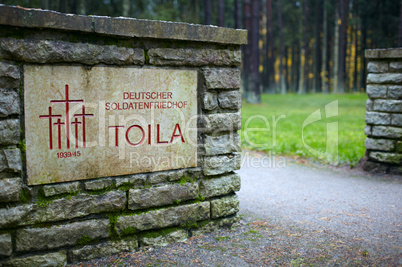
<point>296,46</point>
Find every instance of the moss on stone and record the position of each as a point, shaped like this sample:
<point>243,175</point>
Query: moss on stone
<point>113,217</point>
<point>129,230</point>
<point>200,198</point>
<point>163,232</point>
<point>22,146</point>
<point>124,187</point>
<point>25,196</point>
<point>43,201</point>
<point>189,224</point>
<point>101,191</point>
<point>85,239</point>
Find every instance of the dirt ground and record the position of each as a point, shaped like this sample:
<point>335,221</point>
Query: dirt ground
<point>295,214</point>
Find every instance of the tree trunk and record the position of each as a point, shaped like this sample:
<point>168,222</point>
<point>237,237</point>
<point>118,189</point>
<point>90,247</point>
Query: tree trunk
<point>207,12</point>
<point>343,6</point>
<point>63,5</point>
<point>126,8</point>
<point>282,83</point>
<point>304,52</point>
<point>45,4</point>
<point>295,67</point>
<point>246,49</point>
<point>221,13</point>
<point>324,71</point>
<point>336,53</point>
<point>254,94</point>
<point>400,26</point>
<point>317,48</point>
<point>237,14</point>
<point>363,46</point>
<point>286,69</point>
<point>81,7</point>
<point>270,86</point>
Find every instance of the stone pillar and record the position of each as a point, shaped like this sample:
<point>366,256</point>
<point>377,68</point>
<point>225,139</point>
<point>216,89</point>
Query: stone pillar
<point>49,221</point>
<point>384,111</point>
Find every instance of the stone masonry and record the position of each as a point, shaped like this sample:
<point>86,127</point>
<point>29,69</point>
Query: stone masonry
<point>384,111</point>
<point>55,224</point>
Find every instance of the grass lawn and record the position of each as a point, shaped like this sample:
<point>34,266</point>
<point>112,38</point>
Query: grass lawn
<point>275,126</point>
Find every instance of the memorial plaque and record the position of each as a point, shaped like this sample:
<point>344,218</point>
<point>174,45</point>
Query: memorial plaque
<point>83,122</point>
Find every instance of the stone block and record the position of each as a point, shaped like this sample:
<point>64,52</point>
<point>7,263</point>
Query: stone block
<point>167,30</point>
<point>9,75</point>
<point>210,101</point>
<point>369,104</point>
<point>161,196</point>
<point>396,66</point>
<point>10,160</point>
<point>30,239</point>
<point>45,51</point>
<point>57,259</point>
<point>222,78</point>
<point>390,53</point>
<point>378,118</point>
<point>221,164</point>
<point>9,132</point>
<point>11,217</point>
<point>166,176</point>
<point>384,78</point>
<point>78,206</point>
<point>224,206</point>
<point>230,100</point>
<point>6,245</point>
<point>222,144</point>
<point>396,119</point>
<point>367,130</point>
<point>395,92</point>
<point>220,186</point>
<point>399,146</point>
<point>379,144</point>
<point>163,240</point>
<point>213,225</point>
<point>63,209</point>
<point>9,102</point>
<point>162,218</point>
<point>395,169</point>
<point>375,167</point>
<point>223,122</point>
<point>63,188</point>
<point>387,105</point>
<point>27,17</point>
<point>193,57</point>
<point>392,158</point>
<point>136,180</point>
<point>386,131</point>
<point>101,250</point>
<point>371,53</point>
<point>99,184</point>
<point>376,91</point>
<point>377,66</point>
<point>10,189</point>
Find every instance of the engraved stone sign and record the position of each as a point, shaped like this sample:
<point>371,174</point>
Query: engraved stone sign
<point>83,122</point>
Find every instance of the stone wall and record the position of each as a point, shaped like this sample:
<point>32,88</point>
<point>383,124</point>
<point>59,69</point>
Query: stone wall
<point>53,224</point>
<point>384,111</point>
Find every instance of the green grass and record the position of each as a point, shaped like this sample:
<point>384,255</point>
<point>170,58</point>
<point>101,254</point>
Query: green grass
<point>282,116</point>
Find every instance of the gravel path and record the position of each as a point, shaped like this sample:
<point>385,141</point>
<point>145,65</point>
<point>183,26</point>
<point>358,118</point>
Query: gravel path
<point>296,215</point>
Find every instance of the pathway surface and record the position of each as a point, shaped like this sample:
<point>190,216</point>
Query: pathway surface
<point>296,214</point>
